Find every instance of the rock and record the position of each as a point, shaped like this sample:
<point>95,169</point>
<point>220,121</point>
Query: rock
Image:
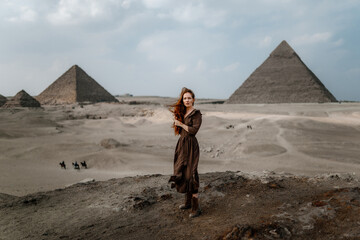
<point>165,196</point>
<point>110,143</point>
<point>274,185</point>
<point>264,231</point>
<point>87,180</point>
<point>3,100</point>
<point>208,149</point>
<point>218,152</point>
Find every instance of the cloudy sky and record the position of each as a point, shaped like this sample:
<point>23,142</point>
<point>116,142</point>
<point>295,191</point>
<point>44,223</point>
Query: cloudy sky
<point>155,47</point>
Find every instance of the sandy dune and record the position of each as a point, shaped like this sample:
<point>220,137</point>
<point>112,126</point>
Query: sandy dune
<point>297,138</point>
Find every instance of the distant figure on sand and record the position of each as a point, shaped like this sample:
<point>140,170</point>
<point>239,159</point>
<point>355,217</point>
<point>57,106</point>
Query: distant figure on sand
<point>187,121</point>
<point>62,165</point>
<point>83,164</point>
<point>76,165</point>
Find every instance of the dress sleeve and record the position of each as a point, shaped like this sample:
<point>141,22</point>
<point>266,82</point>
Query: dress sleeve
<point>197,119</point>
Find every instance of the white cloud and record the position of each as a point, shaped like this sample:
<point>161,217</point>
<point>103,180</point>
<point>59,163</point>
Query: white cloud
<point>312,39</point>
<point>201,65</point>
<point>77,11</point>
<point>339,42</point>
<point>155,46</point>
<point>266,41</point>
<point>189,14</point>
<point>231,67</point>
<point>26,14</point>
<point>167,47</point>
<point>126,4</point>
<point>180,69</point>
<point>215,70</point>
<point>188,45</point>
<point>155,3</point>
<point>214,18</point>
<point>132,21</point>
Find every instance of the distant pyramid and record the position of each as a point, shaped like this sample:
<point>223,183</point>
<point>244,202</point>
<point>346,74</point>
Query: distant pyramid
<point>282,78</point>
<point>75,86</point>
<point>22,99</point>
<point>3,100</point>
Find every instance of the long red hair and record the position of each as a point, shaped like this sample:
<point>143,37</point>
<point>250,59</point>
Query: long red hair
<point>179,109</point>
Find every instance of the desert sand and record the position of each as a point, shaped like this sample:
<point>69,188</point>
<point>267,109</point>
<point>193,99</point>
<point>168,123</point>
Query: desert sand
<point>296,138</point>
<point>297,144</point>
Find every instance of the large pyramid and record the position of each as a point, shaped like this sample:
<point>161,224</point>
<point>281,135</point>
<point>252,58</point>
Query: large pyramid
<point>282,78</point>
<point>22,99</point>
<point>75,86</point>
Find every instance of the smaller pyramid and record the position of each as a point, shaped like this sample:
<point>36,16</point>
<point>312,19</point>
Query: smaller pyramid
<point>22,99</point>
<point>75,85</point>
<point>282,78</point>
<point>3,100</point>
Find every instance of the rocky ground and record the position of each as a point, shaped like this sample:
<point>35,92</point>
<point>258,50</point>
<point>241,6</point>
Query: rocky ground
<point>235,205</point>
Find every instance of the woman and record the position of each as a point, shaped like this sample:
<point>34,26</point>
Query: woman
<point>187,121</point>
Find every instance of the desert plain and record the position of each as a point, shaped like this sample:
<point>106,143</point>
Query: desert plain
<point>296,138</point>
<point>307,145</point>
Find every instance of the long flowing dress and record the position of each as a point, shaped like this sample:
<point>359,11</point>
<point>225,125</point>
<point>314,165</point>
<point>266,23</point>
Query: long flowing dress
<point>186,158</point>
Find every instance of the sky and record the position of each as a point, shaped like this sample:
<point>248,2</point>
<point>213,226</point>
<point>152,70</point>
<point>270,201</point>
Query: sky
<point>156,47</point>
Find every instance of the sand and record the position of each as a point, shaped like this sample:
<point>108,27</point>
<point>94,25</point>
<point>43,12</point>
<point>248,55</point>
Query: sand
<point>303,139</point>
<point>294,172</point>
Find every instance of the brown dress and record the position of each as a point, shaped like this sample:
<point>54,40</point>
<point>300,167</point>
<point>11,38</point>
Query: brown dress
<point>186,159</point>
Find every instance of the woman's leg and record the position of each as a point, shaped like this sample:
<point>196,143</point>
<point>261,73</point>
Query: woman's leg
<point>187,203</point>
<point>195,210</point>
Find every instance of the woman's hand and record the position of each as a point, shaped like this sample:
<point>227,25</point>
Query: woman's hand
<point>182,125</point>
<point>178,123</point>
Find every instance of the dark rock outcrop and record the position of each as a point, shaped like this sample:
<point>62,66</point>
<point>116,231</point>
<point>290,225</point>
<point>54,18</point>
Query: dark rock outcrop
<point>3,100</point>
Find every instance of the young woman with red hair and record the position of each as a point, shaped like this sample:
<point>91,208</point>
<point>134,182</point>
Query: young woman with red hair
<point>187,121</point>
